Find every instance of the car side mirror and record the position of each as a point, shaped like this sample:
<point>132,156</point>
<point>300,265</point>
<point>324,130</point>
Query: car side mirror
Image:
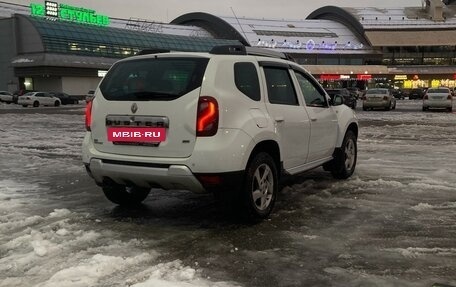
<point>337,100</point>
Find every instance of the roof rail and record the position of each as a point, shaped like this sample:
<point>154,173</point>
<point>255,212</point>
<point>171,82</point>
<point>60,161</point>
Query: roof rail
<point>152,51</point>
<point>229,50</point>
<point>266,53</point>
<point>243,50</point>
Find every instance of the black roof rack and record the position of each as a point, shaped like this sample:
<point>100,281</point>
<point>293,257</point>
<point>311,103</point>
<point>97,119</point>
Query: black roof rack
<point>152,51</point>
<point>243,50</point>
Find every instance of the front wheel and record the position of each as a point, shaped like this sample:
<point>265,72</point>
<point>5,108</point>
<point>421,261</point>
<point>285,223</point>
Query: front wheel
<point>125,195</point>
<point>56,103</point>
<point>344,162</point>
<point>260,187</point>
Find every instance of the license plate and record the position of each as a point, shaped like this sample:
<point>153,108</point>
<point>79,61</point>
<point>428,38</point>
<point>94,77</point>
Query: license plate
<point>140,134</point>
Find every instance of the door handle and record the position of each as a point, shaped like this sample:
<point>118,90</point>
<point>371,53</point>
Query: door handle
<point>279,119</point>
<point>313,119</point>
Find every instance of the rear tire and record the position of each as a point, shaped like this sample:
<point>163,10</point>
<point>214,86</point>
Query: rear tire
<point>124,195</point>
<point>25,106</point>
<point>344,162</point>
<point>36,104</point>
<point>260,187</point>
<point>56,103</point>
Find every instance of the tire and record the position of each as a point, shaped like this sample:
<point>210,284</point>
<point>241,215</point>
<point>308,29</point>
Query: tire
<point>450,110</point>
<point>25,106</point>
<point>124,195</point>
<point>388,107</point>
<point>260,187</point>
<point>36,104</point>
<point>56,103</point>
<point>344,162</point>
<point>425,109</point>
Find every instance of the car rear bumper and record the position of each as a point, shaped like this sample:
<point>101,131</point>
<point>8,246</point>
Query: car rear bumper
<point>379,104</point>
<point>151,176</point>
<point>438,104</point>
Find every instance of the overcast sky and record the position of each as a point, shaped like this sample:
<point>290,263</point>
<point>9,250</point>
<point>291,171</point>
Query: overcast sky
<point>167,10</point>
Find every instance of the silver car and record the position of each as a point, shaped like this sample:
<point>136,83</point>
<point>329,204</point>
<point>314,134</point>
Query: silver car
<point>379,99</point>
<point>37,99</point>
<point>438,98</point>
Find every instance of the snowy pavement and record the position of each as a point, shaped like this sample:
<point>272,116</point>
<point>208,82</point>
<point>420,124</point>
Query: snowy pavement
<point>392,224</point>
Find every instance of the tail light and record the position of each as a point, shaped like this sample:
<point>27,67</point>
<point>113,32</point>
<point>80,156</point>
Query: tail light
<point>88,115</point>
<point>425,97</point>
<point>207,117</point>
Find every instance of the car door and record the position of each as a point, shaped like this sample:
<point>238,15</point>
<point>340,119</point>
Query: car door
<point>323,118</point>
<point>292,123</point>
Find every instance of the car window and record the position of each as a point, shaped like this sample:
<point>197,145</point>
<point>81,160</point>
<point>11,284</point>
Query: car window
<point>246,80</point>
<point>39,95</point>
<point>313,95</point>
<point>447,91</point>
<point>280,86</point>
<point>376,91</point>
<point>160,79</point>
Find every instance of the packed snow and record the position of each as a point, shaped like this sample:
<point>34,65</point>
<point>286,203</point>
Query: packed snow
<point>392,224</point>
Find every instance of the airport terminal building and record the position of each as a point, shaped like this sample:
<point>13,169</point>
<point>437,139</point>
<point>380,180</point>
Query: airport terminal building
<point>57,47</point>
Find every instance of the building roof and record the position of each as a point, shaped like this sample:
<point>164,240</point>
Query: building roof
<point>288,36</point>
<point>87,40</point>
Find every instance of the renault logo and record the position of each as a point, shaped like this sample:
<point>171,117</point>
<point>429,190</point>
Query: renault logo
<point>134,108</point>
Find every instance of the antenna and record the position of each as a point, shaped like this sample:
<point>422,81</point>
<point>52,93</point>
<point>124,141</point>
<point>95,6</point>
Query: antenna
<point>240,26</point>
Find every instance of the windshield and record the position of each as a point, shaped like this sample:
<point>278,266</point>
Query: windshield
<point>377,91</point>
<point>157,79</point>
<point>440,91</point>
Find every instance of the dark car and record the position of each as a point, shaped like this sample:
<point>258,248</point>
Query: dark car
<point>65,98</point>
<point>416,94</point>
<point>349,99</point>
<point>355,91</point>
<point>398,94</point>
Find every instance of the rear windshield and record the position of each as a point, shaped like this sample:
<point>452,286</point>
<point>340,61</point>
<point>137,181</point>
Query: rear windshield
<point>443,90</point>
<point>376,91</point>
<point>155,79</point>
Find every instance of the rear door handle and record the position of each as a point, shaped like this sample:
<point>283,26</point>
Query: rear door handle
<point>313,119</point>
<point>279,119</point>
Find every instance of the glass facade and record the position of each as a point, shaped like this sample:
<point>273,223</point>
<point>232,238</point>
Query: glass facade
<point>435,55</point>
<point>79,39</point>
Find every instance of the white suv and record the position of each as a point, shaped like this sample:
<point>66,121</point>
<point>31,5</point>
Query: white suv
<point>230,121</point>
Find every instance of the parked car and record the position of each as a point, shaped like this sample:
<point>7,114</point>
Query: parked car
<point>6,97</point>
<point>355,91</point>
<point>349,99</point>
<point>438,98</point>
<point>37,99</point>
<point>379,98</point>
<point>65,99</point>
<point>89,96</point>
<point>415,94</point>
<point>398,94</point>
<point>255,116</point>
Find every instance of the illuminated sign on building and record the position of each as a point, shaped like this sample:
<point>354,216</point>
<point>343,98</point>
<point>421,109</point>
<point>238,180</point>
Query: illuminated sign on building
<point>68,13</point>
<point>400,77</point>
<point>310,45</point>
<point>364,77</point>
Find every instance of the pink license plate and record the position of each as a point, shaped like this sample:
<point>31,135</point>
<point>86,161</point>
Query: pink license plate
<point>128,134</point>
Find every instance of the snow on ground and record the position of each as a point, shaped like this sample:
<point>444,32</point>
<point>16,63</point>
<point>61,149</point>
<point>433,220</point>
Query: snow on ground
<point>392,224</point>
<point>61,247</point>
